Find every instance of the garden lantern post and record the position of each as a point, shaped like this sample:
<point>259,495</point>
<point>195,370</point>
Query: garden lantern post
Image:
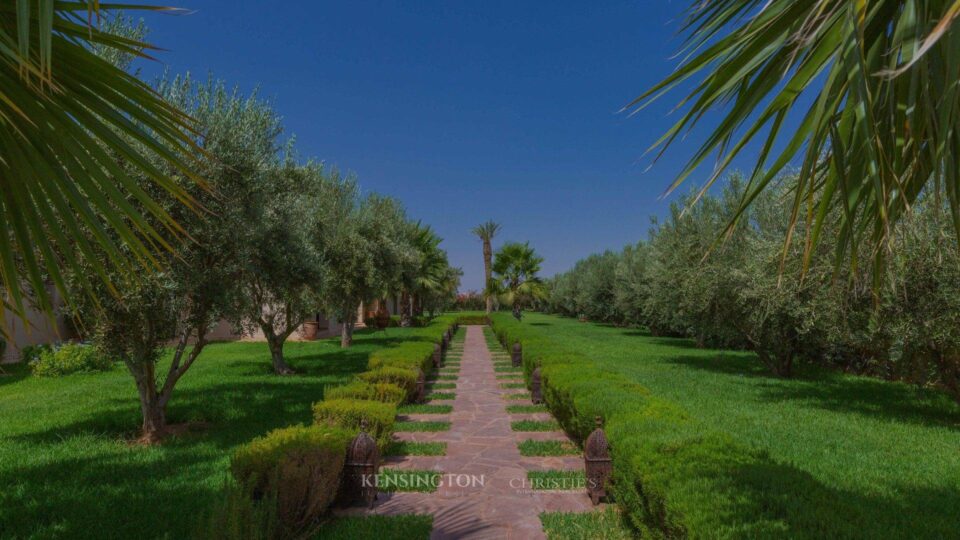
<point>536,394</point>
<point>360,472</point>
<point>517,355</point>
<point>597,463</point>
<point>421,385</point>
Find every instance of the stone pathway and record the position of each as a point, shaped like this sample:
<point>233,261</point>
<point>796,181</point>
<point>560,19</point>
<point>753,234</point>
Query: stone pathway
<point>480,443</point>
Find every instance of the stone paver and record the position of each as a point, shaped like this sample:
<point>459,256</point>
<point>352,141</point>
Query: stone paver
<point>480,443</point>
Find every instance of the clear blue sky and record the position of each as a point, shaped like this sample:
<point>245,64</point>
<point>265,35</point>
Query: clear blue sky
<point>466,111</point>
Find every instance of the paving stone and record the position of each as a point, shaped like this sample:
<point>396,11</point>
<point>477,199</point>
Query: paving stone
<point>483,492</point>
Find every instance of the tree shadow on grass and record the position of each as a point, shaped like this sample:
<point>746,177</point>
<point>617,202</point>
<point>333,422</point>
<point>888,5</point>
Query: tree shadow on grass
<point>835,392</point>
<point>777,500</point>
<point>12,373</point>
<point>123,493</point>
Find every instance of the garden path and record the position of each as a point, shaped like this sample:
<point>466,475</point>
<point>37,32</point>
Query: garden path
<point>480,443</point>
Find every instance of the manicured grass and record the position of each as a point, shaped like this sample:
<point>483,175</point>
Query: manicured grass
<point>424,408</point>
<point>531,447</point>
<point>556,480</point>
<point>68,471</point>
<point>402,527</point>
<point>522,395</point>
<point>607,524</point>
<point>513,385</point>
<point>442,386</point>
<point>534,425</point>
<point>408,480</point>
<point>411,448</point>
<point>887,451</point>
<point>435,396</point>
<point>520,409</point>
<point>507,369</point>
<point>421,426</point>
<point>445,378</point>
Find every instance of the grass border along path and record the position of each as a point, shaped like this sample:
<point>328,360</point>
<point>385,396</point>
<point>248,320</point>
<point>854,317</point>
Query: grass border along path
<point>677,476</point>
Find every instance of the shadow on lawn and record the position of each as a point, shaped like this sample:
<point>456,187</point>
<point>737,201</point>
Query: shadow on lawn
<point>836,392</point>
<point>776,500</point>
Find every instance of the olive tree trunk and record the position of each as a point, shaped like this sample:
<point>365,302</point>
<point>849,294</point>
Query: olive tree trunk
<point>154,399</point>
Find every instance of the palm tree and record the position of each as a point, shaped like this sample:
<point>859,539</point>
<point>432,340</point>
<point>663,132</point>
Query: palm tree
<point>76,132</point>
<point>872,87</point>
<point>486,231</point>
<point>515,275</point>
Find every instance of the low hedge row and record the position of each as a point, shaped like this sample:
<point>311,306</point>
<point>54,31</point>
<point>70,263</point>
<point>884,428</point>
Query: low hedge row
<point>300,467</point>
<point>674,477</point>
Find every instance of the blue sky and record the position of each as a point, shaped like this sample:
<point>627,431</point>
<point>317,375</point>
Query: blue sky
<point>466,111</point>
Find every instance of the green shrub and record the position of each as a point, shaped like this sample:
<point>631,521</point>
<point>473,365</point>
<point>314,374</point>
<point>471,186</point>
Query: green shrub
<point>385,392</point>
<point>403,377</point>
<point>31,353</point>
<point>410,355</point>
<point>674,476</point>
<point>299,466</point>
<point>69,358</point>
<point>348,413</point>
<point>473,317</point>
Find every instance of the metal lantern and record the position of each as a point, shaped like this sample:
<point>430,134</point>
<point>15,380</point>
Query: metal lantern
<point>517,356</point>
<point>421,385</point>
<point>597,462</point>
<point>535,394</point>
<point>437,356</point>
<point>361,468</point>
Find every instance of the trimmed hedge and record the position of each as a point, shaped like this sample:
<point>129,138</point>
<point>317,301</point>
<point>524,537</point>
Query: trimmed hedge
<point>673,475</point>
<point>403,377</point>
<point>348,413</point>
<point>473,317</point>
<point>385,392</point>
<point>298,467</point>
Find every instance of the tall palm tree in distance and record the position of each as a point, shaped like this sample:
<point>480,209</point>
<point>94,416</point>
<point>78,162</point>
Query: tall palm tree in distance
<point>516,276</point>
<point>486,231</point>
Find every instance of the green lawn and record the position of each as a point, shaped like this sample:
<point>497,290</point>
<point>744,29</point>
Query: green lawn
<point>67,470</point>
<point>891,449</point>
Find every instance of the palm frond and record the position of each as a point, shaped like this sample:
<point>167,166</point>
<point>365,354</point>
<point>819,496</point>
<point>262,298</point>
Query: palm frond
<point>864,94</point>
<point>74,129</point>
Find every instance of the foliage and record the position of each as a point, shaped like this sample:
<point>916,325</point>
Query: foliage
<point>515,275</point>
<point>32,353</point>
<point>377,391</point>
<point>350,413</point>
<point>133,319</point>
<point>284,276</point>
<point>402,377</point>
<point>755,291</point>
<point>711,446</point>
<point>470,301</point>
<point>299,466</point>
<point>66,359</point>
<point>50,425</point>
<point>72,208</point>
<point>485,232</point>
<point>863,91</point>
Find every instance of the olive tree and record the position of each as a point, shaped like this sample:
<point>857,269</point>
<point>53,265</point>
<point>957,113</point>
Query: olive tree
<point>284,276</point>
<point>133,319</point>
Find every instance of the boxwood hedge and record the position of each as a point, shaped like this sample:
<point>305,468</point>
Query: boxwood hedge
<point>673,475</point>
